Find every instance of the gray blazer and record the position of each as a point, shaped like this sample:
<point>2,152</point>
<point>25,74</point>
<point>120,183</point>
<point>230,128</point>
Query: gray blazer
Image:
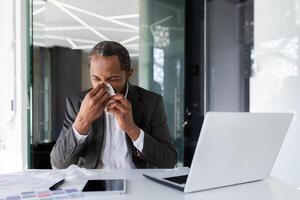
<point>148,113</point>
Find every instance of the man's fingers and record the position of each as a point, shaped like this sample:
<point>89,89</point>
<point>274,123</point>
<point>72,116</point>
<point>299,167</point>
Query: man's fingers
<point>117,105</point>
<point>121,98</point>
<point>105,99</point>
<point>95,90</point>
<point>118,97</point>
<point>100,94</point>
<point>112,110</point>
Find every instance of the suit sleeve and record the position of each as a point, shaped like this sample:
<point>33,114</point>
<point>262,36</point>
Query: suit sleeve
<point>66,151</point>
<point>159,149</point>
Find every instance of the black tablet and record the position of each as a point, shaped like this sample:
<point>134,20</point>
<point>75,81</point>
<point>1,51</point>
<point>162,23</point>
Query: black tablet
<point>105,185</point>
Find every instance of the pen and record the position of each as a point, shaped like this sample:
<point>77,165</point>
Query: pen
<point>56,185</point>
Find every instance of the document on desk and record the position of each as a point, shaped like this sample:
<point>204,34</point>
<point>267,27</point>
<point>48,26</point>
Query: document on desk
<point>15,187</point>
<point>14,183</point>
<point>35,184</point>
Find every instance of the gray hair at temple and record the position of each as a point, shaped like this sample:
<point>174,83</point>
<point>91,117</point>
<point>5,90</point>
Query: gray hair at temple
<point>111,48</point>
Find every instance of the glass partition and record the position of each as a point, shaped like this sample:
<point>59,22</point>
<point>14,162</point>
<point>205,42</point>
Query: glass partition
<point>161,59</point>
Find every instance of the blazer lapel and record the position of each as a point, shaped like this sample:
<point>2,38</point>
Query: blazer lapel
<point>136,104</point>
<point>137,108</point>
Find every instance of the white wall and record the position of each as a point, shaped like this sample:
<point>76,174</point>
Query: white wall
<point>7,118</point>
<point>13,67</point>
<point>275,83</point>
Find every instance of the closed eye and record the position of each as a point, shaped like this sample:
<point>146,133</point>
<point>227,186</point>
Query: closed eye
<point>114,79</point>
<point>95,78</point>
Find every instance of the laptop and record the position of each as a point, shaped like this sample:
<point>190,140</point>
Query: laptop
<point>232,148</point>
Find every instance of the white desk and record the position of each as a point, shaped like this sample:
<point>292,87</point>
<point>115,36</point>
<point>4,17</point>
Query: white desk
<point>139,188</point>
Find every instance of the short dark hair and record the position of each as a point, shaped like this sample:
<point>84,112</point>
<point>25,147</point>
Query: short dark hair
<point>111,48</point>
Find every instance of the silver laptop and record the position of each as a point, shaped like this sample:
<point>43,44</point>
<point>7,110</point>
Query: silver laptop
<point>232,148</point>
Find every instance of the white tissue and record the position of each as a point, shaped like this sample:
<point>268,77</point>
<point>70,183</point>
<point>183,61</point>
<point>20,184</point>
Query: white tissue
<point>110,89</point>
<point>74,176</point>
<point>111,92</point>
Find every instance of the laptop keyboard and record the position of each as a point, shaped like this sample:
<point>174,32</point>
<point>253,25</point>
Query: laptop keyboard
<point>177,179</point>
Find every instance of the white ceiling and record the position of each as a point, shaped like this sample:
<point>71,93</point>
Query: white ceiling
<point>80,24</point>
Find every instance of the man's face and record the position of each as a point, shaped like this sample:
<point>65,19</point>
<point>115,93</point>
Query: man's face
<point>107,69</point>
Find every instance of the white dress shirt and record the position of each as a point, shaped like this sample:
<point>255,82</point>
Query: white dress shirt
<point>114,154</point>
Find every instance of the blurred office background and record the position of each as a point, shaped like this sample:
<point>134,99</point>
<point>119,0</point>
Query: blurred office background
<point>200,55</point>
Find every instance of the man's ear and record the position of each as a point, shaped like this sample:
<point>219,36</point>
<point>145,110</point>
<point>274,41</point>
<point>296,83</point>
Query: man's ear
<point>129,73</point>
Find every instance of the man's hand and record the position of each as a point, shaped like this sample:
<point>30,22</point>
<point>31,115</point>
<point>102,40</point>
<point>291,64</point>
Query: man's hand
<point>121,108</point>
<point>91,108</point>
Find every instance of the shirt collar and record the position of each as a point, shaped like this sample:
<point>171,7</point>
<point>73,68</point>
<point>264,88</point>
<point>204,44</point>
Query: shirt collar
<point>127,88</point>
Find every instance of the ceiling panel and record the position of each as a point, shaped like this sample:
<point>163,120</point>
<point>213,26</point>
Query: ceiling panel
<point>81,24</point>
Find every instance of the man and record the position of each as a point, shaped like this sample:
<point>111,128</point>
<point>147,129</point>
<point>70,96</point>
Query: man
<point>126,130</point>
